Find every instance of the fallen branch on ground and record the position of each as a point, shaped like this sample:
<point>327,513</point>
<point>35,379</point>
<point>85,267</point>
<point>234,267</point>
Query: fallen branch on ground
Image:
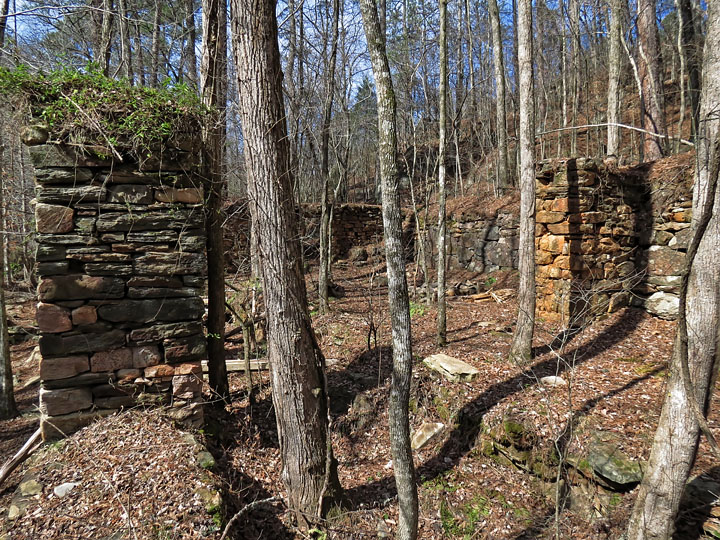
<point>25,452</point>
<point>245,509</point>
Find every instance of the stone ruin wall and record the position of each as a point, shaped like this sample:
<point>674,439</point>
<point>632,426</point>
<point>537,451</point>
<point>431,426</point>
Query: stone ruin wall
<point>352,225</point>
<point>121,262</point>
<point>605,238</point>
<point>479,243</point>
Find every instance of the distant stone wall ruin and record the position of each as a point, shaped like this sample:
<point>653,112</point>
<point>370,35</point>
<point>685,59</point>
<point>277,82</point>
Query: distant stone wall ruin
<point>609,238</point>
<point>121,260</point>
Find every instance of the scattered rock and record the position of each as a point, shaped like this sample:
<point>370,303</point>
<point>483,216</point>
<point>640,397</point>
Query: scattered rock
<point>425,433</point>
<point>64,489</point>
<point>553,381</point>
<point>612,465</point>
<point>31,487</point>
<point>663,305</point>
<point>451,368</point>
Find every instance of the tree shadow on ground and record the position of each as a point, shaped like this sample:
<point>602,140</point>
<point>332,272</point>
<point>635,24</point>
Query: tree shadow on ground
<point>469,419</point>
<point>263,521</point>
<point>700,498</point>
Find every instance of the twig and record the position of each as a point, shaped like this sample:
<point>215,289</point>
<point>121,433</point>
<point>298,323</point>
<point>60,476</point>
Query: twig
<point>245,509</point>
<point>97,126</point>
<point>614,124</point>
<point>32,444</point>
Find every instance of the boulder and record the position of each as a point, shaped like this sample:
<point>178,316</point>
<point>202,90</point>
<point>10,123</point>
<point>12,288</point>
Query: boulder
<point>424,434</point>
<point>451,368</point>
<point>663,305</point>
<point>611,465</point>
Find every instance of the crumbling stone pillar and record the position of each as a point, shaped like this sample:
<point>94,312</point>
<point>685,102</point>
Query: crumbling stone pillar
<point>608,238</point>
<point>122,267</point>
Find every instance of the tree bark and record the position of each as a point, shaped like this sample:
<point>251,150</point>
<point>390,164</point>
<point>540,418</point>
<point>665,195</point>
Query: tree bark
<point>652,104</point>
<point>325,215</point>
<point>155,47</point>
<point>214,94</point>
<point>442,121</point>
<point>8,409</point>
<point>615,70</point>
<point>125,46</point>
<point>574,8</point>
<point>189,50</point>
<point>397,284</point>
<point>521,348</point>
<point>676,439</point>
<point>691,53</point>
<point>297,364</point>
<point>501,122</point>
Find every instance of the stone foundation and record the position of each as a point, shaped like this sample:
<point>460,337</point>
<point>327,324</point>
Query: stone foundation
<point>121,260</point>
<point>607,238</point>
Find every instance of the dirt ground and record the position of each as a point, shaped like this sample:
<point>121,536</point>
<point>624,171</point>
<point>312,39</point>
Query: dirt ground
<point>616,374</point>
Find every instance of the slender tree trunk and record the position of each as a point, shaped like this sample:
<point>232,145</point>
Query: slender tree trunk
<point>297,364</point>
<point>3,24</point>
<point>691,54</point>
<point>8,408</point>
<point>575,78</point>
<point>189,51</point>
<point>676,439</point>
<point>214,94</point>
<point>397,284</point>
<point>500,100</point>
<point>140,56</point>
<point>105,41</point>
<point>125,46</point>
<point>325,215</point>
<point>155,47</point>
<point>615,71</point>
<point>521,348</point>
<point>442,121</point>
<point>652,104</point>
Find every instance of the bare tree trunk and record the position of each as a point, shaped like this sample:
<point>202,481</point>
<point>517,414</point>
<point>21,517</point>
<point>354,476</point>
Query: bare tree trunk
<point>3,24</point>
<point>397,283</point>
<point>575,79</point>
<point>325,215</point>
<point>521,348</point>
<point>691,54</point>
<point>140,56</point>
<point>501,122</point>
<point>125,47</point>
<point>8,408</point>
<point>297,364</point>
<point>615,70</point>
<point>652,104</point>
<point>104,42</point>
<point>155,47</point>
<point>189,50</point>
<point>676,439</point>
<point>214,94</point>
<point>442,121</point>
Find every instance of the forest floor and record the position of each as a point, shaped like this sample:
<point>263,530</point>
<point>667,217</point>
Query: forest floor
<point>615,370</point>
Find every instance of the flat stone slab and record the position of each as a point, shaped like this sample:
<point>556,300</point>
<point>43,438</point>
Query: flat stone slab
<point>425,433</point>
<point>451,368</point>
<point>234,365</point>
